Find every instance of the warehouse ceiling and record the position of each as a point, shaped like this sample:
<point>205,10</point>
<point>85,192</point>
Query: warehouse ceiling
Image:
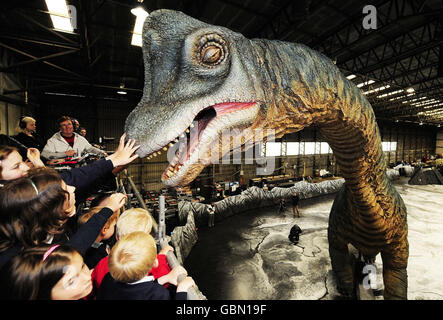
<point>399,65</point>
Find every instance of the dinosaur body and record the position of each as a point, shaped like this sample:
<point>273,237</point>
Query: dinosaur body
<point>217,79</point>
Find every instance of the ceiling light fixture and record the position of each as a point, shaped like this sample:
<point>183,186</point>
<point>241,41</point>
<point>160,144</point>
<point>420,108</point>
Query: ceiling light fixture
<point>122,86</point>
<point>141,15</point>
<point>60,16</point>
<point>365,83</point>
<point>351,76</point>
<point>389,93</point>
<point>377,89</point>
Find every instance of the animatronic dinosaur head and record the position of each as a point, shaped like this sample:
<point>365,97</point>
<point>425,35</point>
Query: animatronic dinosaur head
<point>201,81</point>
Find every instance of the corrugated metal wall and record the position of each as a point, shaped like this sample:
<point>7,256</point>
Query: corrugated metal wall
<point>414,142</point>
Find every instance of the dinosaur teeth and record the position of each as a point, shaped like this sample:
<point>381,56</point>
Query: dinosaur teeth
<point>184,140</point>
<point>173,168</point>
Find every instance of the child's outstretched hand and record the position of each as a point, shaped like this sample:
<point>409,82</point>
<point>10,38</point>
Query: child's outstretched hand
<point>172,276</point>
<point>185,284</point>
<point>124,153</point>
<point>115,201</point>
<point>166,249</point>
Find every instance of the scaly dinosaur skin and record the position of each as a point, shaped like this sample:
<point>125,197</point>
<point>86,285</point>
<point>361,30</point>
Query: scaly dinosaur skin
<point>191,66</point>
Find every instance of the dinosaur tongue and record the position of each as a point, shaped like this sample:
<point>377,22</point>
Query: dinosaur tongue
<point>224,108</point>
<point>204,118</point>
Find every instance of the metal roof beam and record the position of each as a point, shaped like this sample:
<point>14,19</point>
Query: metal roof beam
<point>33,60</point>
<point>45,62</point>
<point>46,28</point>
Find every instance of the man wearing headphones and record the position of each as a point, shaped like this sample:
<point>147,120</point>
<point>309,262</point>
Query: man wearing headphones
<point>27,135</point>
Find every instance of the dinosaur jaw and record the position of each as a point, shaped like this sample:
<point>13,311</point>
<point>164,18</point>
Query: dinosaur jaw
<point>194,149</point>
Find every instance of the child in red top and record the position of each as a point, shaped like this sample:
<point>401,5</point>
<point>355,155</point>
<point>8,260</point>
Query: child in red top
<point>133,220</point>
<point>101,269</point>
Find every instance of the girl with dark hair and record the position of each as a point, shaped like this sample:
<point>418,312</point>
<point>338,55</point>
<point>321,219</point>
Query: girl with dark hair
<point>32,209</point>
<point>12,165</point>
<point>35,209</point>
<point>47,272</point>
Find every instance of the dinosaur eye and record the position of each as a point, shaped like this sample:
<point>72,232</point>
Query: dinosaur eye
<point>212,50</point>
<point>211,55</point>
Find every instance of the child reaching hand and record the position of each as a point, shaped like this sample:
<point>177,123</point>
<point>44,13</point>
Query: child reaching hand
<point>130,260</point>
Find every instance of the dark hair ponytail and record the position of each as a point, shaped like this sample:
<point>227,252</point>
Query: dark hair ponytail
<point>28,276</point>
<point>31,208</point>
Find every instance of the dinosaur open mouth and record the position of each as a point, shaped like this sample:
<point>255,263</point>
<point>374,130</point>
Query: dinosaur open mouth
<point>181,148</point>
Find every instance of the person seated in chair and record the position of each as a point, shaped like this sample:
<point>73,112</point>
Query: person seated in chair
<point>27,135</point>
<point>67,143</point>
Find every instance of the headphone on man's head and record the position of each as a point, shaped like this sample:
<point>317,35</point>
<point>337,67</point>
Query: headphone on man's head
<point>22,124</point>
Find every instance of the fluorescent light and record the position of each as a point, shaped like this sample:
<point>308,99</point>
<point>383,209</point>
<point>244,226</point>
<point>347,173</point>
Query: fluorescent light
<point>121,92</point>
<point>57,6</point>
<point>141,15</point>
<point>365,83</point>
<point>435,104</point>
<point>377,89</point>
<point>139,12</point>
<point>417,99</point>
<point>61,19</point>
<point>424,103</point>
<point>410,90</point>
<point>351,76</point>
<point>389,94</point>
<point>136,40</point>
<point>62,24</point>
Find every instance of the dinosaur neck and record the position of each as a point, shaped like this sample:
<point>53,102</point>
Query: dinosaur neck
<point>312,91</point>
<point>357,150</point>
